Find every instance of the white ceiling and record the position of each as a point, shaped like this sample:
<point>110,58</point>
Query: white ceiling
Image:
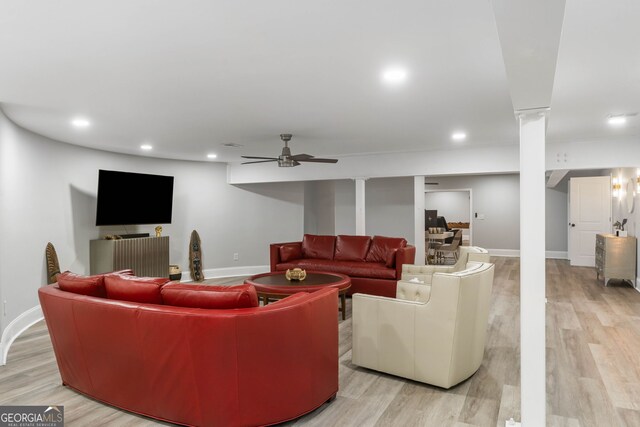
<point>190,76</point>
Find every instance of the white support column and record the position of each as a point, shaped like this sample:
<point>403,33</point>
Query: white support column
<point>418,215</point>
<point>532,268</point>
<point>360,213</point>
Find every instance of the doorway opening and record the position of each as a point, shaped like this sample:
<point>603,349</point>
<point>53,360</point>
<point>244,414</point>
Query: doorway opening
<point>456,207</point>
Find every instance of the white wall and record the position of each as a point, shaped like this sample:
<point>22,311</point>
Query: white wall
<point>470,160</point>
<point>48,194</point>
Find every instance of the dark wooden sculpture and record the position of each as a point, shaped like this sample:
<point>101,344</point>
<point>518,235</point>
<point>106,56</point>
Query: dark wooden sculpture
<point>195,257</point>
<point>53,267</point>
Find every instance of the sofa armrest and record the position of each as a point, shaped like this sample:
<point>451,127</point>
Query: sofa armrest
<point>406,255</point>
<point>274,253</point>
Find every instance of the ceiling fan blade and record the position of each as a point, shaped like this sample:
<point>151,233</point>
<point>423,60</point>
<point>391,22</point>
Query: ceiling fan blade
<point>259,161</point>
<point>258,157</point>
<point>316,160</point>
<point>302,157</point>
<point>295,163</point>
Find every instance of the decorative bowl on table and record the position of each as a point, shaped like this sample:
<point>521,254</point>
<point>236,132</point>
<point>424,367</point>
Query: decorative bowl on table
<point>296,274</point>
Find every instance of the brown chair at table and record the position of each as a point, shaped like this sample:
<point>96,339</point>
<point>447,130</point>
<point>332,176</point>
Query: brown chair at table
<point>443,251</point>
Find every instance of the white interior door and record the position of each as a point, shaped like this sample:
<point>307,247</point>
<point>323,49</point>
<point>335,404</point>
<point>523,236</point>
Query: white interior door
<point>589,214</point>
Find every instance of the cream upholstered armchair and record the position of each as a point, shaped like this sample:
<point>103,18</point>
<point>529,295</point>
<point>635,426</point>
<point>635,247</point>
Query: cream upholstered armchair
<point>414,277</point>
<point>439,341</point>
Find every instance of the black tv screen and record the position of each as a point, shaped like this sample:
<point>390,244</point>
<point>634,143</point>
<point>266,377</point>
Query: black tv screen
<point>127,198</point>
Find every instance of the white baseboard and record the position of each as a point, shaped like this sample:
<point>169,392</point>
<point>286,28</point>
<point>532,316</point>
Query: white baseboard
<point>504,252</point>
<point>15,328</point>
<point>218,273</point>
<point>516,253</point>
<point>557,254</point>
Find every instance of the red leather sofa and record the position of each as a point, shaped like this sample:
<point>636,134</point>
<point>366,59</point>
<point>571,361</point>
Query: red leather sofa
<point>194,366</point>
<point>374,264</point>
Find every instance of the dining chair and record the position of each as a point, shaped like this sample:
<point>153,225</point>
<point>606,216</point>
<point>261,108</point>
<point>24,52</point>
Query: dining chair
<point>450,249</point>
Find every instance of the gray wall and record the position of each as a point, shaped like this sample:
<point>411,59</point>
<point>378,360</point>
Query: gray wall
<point>319,207</point>
<point>389,207</point>
<point>453,205</point>
<point>345,206</point>
<point>497,197</point>
<point>557,220</point>
<point>48,193</point>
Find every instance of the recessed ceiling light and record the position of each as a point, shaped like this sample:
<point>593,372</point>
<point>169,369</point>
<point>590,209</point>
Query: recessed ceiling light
<point>617,120</point>
<point>394,75</point>
<point>211,156</point>
<point>146,147</point>
<point>80,122</point>
<point>458,136</point>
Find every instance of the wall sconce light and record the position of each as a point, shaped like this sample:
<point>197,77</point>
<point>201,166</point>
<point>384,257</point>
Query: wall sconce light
<point>616,187</point>
<point>638,180</point>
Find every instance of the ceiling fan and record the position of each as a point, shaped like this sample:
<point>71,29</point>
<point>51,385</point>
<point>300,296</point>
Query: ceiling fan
<point>286,160</point>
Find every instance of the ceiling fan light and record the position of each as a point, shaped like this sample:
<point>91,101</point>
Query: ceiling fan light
<point>287,163</point>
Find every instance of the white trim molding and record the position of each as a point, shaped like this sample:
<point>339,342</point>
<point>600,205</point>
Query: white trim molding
<point>504,252</point>
<point>218,273</point>
<point>516,253</point>
<point>557,254</point>
<point>17,327</point>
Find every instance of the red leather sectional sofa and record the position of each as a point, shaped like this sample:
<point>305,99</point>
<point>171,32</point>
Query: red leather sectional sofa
<point>150,351</point>
<point>374,264</point>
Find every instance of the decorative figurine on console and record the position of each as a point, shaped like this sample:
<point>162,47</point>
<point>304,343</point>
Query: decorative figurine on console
<point>53,266</point>
<point>195,257</point>
<point>159,231</point>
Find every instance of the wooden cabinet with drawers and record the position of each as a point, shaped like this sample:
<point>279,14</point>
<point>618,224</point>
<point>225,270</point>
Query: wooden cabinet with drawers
<point>615,257</point>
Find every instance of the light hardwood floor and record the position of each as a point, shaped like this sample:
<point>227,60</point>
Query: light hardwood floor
<point>593,367</point>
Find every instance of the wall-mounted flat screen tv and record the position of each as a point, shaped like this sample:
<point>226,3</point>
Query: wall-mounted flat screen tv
<point>127,198</point>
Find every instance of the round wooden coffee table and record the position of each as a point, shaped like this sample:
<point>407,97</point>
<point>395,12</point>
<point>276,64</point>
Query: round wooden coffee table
<point>274,285</point>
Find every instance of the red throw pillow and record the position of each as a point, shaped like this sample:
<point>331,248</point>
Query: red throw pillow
<point>134,289</point>
<point>290,251</point>
<point>205,296</point>
<point>92,286</point>
<point>318,247</point>
<point>352,248</point>
<point>391,258</point>
<point>380,247</point>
